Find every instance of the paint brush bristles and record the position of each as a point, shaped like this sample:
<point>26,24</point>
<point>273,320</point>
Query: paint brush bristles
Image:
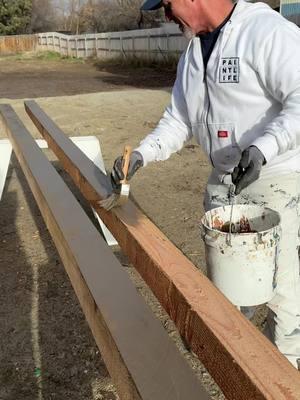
<point>119,198</point>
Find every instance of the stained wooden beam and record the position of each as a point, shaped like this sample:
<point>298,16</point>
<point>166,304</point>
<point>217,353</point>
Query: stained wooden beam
<point>241,360</point>
<point>140,357</point>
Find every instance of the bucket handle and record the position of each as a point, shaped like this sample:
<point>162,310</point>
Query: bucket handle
<point>205,236</point>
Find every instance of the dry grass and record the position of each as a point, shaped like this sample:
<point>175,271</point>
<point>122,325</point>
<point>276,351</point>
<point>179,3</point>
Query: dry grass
<point>166,64</point>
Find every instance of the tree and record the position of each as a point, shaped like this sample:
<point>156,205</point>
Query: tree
<point>92,16</point>
<point>72,15</point>
<point>15,16</point>
<point>114,15</point>
<point>97,16</point>
<point>43,16</point>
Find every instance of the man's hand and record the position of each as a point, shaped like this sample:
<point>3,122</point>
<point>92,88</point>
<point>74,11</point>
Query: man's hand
<point>248,169</point>
<point>136,162</point>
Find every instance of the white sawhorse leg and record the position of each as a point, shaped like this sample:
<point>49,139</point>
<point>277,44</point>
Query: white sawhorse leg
<point>5,154</point>
<point>89,145</point>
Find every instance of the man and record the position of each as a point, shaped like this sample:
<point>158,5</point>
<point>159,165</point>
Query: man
<point>237,92</point>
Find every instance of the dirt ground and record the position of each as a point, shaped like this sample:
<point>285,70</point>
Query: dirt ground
<point>46,348</point>
<point>29,76</point>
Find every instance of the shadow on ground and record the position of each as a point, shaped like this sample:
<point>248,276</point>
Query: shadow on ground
<point>139,77</point>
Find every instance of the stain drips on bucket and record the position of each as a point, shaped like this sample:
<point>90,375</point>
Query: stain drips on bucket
<point>245,270</point>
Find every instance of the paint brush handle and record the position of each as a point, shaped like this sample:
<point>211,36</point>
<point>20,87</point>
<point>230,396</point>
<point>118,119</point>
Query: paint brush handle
<point>232,202</point>
<point>126,160</point>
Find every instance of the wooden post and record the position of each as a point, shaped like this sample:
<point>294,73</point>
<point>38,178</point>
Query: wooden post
<point>96,45</point>
<point>121,46</point>
<point>76,45</point>
<point>140,357</point>
<point>167,38</point>
<point>133,46</point>
<point>238,356</point>
<point>149,47</point>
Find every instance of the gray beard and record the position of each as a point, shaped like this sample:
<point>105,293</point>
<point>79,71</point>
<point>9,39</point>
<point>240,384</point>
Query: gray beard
<point>188,33</point>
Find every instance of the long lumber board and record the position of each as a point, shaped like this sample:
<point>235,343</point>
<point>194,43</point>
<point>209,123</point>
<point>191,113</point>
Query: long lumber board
<point>241,360</point>
<point>140,357</point>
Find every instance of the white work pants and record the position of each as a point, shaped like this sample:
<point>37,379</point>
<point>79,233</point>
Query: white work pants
<point>281,193</point>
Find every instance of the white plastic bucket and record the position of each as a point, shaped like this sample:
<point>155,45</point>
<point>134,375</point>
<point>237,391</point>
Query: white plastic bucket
<point>244,268</point>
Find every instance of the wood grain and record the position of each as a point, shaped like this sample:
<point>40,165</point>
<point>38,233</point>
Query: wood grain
<point>140,357</point>
<point>241,360</point>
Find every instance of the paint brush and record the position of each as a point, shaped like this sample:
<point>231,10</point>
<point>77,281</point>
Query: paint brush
<point>120,195</point>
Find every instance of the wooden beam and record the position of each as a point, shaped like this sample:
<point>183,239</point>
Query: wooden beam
<point>241,360</point>
<point>140,357</point>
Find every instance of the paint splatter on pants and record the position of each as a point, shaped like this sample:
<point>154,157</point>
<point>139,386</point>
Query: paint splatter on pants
<point>281,193</point>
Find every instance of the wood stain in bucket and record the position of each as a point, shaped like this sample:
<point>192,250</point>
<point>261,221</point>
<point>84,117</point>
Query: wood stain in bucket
<point>243,226</point>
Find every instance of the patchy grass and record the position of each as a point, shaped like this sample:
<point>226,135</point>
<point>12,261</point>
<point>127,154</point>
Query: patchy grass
<point>53,56</point>
<point>42,56</point>
<point>167,64</point>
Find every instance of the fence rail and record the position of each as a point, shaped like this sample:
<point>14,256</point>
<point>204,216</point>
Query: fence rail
<point>157,43</point>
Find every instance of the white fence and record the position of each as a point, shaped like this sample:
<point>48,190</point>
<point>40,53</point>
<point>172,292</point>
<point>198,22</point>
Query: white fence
<point>158,43</point>
<point>290,9</point>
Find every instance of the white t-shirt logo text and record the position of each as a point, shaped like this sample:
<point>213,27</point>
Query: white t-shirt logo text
<point>229,70</point>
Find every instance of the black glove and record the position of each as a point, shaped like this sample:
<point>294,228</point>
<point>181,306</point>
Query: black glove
<point>248,169</point>
<point>136,162</point>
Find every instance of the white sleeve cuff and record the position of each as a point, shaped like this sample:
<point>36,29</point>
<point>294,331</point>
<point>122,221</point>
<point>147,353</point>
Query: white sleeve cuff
<point>267,144</point>
<point>147,153</point>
